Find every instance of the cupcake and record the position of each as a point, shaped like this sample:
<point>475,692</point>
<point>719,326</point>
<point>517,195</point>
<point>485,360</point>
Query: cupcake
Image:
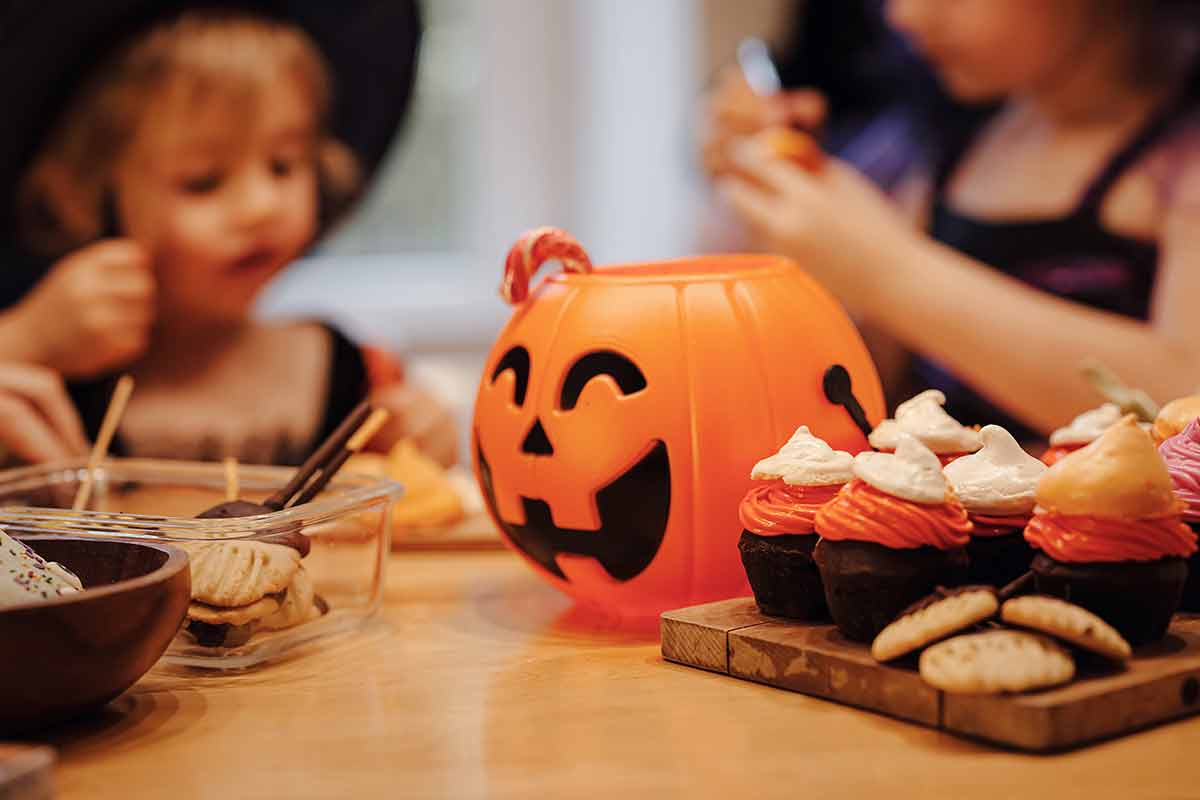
<point>996,486</point>
<point>1083,430</point>
<point>923,418</point>
<point>1107,523</point>
<point>1174,417</point>
<point>777,519</point>
<point>1181,453</point>
<point>890,537</point>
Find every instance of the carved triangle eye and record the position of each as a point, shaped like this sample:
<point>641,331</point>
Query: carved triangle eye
<point>602,362</point>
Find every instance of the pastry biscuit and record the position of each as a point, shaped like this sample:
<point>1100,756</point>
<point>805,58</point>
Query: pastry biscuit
<point>933,619</point>
<point>238,573</point>
<point>996,661</point>
<point>429,499</point>
<point>1068,622</point>
<point>240,615</point>
<point>298,604</point>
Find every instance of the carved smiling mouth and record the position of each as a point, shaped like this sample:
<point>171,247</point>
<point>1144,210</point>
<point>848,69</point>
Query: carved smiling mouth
<point>633,510</point>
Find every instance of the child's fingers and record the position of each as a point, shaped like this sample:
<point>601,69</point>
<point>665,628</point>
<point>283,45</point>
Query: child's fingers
<point>26,433</point>
<point>118,253</point>
<point>804,108</point>
<point>752,159</point>
<point>44,391</point>
<point>754,205</point>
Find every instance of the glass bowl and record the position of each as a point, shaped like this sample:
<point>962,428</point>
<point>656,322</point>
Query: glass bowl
<point>348,526</point>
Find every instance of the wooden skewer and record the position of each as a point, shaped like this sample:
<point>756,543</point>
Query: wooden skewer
<point>108,429</point>
<point>336,441</point>
<point>231,478</point>
<point>357,442</point>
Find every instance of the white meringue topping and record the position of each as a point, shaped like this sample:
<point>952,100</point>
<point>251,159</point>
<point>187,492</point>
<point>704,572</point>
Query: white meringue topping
<point>924,418</point>
<point>999,479</point>
<point>806,460</point>
<point>913,472</point>
<point>1088,426</point>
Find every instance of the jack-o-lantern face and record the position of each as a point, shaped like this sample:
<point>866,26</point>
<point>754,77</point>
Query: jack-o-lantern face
<point>621,410</point>
<point>631,510</point>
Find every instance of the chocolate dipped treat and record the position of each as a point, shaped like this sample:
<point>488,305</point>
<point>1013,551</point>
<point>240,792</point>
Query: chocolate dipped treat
<point>923,418</point>
<point>777,518</point>
<point>891,536</point>
<point>995,485</point>
<point>1107,525</point>
<point>26,577</point>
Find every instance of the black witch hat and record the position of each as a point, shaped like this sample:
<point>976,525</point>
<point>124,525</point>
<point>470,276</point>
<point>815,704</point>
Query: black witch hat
<point>46,46</point>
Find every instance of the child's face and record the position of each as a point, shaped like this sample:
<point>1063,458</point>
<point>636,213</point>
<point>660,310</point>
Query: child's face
<point>223,193</point>
<point>984,49</point>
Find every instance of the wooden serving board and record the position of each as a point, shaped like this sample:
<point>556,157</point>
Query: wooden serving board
<point>26,772</point>
<point>1161,683</point>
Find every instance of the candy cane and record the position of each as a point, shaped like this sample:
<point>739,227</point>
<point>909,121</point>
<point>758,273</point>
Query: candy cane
<point>535,248</point>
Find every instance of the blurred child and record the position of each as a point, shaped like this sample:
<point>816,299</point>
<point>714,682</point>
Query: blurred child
<point>191,166</point>
<point>1064,226</point>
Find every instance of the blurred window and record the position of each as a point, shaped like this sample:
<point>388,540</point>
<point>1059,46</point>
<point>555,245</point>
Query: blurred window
<point>527,113</point>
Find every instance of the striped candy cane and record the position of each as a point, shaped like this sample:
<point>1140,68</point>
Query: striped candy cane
<point>533,249</point>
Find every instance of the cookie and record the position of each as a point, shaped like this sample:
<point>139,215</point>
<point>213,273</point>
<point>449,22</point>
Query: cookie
<point>1068,622</point>
<point>220,635</point>
<point>996,661</point>
<point>298,605</point>
<point>238,573</point>
<point>240,615</point>
<point>934,618</point>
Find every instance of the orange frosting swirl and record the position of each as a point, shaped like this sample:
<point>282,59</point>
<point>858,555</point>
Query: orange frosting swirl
<point>776,508</point>
<point>1086,539</point>
<point>1056,454</point>
<point>863,513</point>
<point>987,525</point>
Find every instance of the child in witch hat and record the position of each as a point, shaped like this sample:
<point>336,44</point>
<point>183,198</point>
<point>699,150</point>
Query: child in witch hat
<point>170,159</point>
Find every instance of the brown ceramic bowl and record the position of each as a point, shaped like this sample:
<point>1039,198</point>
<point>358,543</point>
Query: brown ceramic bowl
<point>64,657</point>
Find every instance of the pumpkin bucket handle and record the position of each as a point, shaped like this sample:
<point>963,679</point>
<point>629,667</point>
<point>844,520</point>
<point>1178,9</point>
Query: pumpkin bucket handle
<point>535,248</point>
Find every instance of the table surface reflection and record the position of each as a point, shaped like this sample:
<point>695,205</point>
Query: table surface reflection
<point>478,680</point>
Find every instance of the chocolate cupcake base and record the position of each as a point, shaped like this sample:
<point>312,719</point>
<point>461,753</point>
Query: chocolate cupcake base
<point>1137,598</point>
<point>1191,589</point>
<point>782,574</point>
<point>999,560</point>
<point>867,585</point>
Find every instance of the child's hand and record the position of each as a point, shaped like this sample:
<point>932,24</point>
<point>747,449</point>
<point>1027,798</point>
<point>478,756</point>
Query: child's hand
<point>37,420</point>
<point>418,415</point>
<point>735,111</point>
<point>837,224</point>
<point>93,311</point>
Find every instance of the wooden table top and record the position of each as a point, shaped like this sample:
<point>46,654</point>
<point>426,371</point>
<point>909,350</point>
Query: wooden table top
<point>481,681</point>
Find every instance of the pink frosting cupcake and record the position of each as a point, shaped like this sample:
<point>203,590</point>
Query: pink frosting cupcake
<point>1182,454</point>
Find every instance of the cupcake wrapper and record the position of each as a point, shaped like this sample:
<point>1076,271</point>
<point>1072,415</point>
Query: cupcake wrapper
<point>1137,598</point>
<point>782,574</point>
<point>1191,589</point>
<point>867,585</point>
<point>999,560</point>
